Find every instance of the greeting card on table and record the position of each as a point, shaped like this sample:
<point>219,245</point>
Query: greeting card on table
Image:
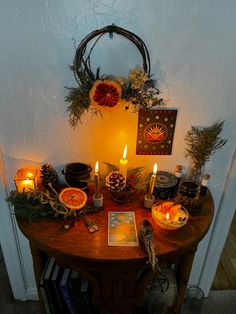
<point>155,131</point>
<point>122,229</point>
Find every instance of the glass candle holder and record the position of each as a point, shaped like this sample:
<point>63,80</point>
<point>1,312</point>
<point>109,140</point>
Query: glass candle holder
<point>26,180</point>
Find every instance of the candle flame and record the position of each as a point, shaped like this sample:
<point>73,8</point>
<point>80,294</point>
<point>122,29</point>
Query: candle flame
<point>125,152</point>
<point>27,181</point>
<point>167,216</point>
<point>96,167</point>
<point>155,169</point>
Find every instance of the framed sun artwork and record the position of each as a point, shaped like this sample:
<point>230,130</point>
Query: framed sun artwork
<point>155,132</point>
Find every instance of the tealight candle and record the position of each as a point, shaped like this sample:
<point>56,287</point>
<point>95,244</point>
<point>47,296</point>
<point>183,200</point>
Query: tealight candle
<point>152,181</point>
<point>96,178</point>
<point>167,216</point>
<point>124,163</point>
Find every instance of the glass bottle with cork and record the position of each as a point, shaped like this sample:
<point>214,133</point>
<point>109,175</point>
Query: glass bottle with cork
<point>204,184</point>
<point>178,172</point>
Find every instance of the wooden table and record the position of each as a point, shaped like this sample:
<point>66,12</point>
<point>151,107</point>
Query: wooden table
<point>117,275</point>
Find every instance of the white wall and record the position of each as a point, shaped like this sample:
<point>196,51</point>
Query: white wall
<point>192,47</point>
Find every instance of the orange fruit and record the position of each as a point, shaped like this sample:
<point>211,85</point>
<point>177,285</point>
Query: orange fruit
<point>105,94</point>
<point>73,198</point>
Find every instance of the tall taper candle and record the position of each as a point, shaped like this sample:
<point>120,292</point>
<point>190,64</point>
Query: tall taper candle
<point>124,163</point>
<point>152,181</point>
<point>96,178</point>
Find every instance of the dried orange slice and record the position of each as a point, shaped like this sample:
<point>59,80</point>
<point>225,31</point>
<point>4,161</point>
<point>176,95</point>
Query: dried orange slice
<point>73,198</point>
<point>105,94</point>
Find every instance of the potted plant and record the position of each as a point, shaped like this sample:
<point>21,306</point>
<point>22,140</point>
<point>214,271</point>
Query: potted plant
<point>121,189</point>
<point>202,143</point>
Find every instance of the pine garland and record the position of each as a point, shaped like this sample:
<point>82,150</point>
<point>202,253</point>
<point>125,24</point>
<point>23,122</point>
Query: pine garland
<point>203,142</point>
<point>34,204</point>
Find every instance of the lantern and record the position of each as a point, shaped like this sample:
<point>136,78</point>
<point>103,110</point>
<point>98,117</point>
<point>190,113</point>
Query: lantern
<point>26,180</point>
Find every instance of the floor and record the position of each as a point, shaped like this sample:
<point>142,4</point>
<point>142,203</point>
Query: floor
<point>218,302</point>
<point>225,278</point>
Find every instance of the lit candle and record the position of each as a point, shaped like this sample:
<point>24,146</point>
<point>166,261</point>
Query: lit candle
<point>26,185</point>
<point>152,181</point>
<point>96,178</point>
<point>26,180</point>
<point>167,216</point>
<point>124,163</point>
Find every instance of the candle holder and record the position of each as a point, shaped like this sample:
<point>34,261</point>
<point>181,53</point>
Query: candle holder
<point>148,202</point>
<point>26,180</point>
<point>98,201</point>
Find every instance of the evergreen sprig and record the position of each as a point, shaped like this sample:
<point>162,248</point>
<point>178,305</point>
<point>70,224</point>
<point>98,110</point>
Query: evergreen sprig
<point>35,204</point>
<point>28,205</point>
<point>203,142</point>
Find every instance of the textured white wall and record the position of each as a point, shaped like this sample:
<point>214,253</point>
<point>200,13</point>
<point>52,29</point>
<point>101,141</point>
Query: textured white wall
<point>192,47</point>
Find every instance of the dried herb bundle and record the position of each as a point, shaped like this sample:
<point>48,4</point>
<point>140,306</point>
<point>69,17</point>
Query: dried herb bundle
<point>203,142</point>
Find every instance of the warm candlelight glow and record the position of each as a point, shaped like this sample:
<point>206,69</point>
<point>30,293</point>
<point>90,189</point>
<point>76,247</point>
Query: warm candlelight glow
<point>152,182</point>
<point>26,180</point>
<point>124,163</point>
<point>96,179</point>
<point>96,167</point>
<point>125,152</point>
<point>167,216</point>
<point>155,169</point>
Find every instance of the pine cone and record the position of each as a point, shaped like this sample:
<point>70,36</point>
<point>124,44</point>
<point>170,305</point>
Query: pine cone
<point>115,181</point>
<point>49,175</point>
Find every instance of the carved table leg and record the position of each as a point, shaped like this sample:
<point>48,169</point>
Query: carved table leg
<point>183,273</point>
<point>38,270</point>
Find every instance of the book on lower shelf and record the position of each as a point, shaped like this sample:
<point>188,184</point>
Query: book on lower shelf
<point>79,286</point>
<point>64,291</point>
<point>55,281</point>
<point>45,289</point>
<point>42,287</point>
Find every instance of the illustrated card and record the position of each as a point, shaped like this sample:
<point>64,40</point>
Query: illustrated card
<point>122,229</point>
<point>155,132</point>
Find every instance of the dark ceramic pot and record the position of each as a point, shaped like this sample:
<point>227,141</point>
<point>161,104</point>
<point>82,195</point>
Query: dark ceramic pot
<point>77,175</point>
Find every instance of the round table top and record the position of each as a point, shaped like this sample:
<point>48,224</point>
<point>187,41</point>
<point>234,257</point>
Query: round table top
<point>77,243</point>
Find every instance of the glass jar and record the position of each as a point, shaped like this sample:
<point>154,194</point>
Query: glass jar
<point>189,187</point>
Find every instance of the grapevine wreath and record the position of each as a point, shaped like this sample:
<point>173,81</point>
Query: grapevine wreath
<point>98,92</point>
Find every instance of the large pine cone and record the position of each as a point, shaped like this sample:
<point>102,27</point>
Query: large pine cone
<point>49,175</point>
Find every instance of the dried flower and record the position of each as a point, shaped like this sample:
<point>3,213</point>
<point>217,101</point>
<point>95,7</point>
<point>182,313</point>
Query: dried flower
<point>137,78</point>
